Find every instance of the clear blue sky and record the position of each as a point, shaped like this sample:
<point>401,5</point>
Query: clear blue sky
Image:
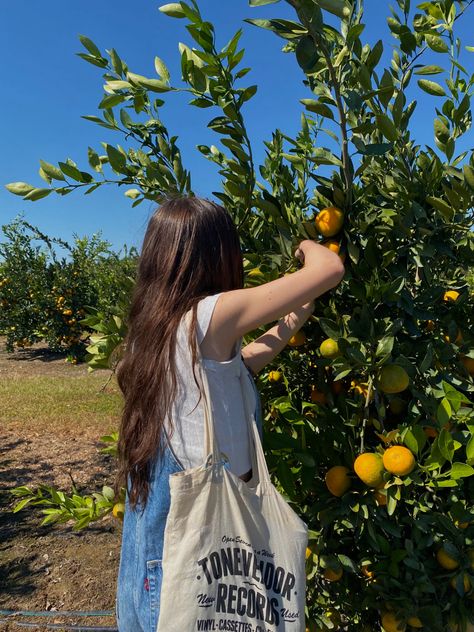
<point>46,88</point>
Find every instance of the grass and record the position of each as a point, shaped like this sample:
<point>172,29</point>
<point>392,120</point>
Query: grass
<point>60,402</point>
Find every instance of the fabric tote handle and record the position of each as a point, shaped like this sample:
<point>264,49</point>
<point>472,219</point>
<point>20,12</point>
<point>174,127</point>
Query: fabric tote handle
<point>260,471</point>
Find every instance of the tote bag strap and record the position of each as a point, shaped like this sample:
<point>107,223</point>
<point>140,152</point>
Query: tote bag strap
<point>259,464</point>
<point>260,471</point>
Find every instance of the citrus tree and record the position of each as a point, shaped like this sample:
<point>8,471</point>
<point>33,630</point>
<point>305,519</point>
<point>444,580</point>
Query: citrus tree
<point>368,412</point>
<point>59,300</point>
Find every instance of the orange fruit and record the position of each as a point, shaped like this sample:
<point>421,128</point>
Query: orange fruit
<point>369,468</point>
<point>337,387</point>
<point>414,622</point>
<point>274,376</point>
<point>470,555</point>
<point>317,397</point>
<point>465,582</point>
<point>329,348</point>
<point>397,405</point>
<point>468,364</point>
<point>337,480</point>
<point>398,460</point>
<point>331,575</point>
<point>430,432</point>
<point>450,295</point>
<point>445,560</point>
<point>329,221</point>
<point>380,498</point>
<point>332,245</point>
<point>393,379</point>
<point>392,623</point>
<point>298,339</point>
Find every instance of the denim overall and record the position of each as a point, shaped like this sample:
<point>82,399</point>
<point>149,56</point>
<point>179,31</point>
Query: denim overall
<point>140,572</point>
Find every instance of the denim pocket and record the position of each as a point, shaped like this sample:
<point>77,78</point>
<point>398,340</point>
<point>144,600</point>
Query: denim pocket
<point>154,573</point>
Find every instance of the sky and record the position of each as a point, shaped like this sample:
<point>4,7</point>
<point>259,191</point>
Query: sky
<point>47,88</point>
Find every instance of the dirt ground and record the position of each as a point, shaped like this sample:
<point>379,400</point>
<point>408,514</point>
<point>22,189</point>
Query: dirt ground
<point>52,568</point>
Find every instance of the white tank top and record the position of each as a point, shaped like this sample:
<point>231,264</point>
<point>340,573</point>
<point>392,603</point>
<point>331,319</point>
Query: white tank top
<point>187,441</point>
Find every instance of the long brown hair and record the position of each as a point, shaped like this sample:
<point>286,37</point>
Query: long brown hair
<point>191,249</point>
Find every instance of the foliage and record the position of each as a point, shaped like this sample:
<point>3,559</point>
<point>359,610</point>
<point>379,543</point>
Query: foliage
<point>407,238</point>
<point>43,297</point>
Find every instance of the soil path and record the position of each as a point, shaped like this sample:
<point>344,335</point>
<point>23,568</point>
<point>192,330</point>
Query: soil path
<point>52,568</point>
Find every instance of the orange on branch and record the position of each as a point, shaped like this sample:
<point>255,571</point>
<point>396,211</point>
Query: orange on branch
<point>430,432</point>
<point>398,460</point>
<point>329,221</point>
<point>468,364</point>
<point>393,379</point>
<point>380,498</point>
<point>466,583</point>
<point>318,397</point>
<point>415,622</point>
<point>337,387</point>
<point>397,405</point>
<point>329,348</point>
<point>445,560</point>
<point>297,339</point>
<point>337,480</point>
<point>369,468</point>
<point>274,376</point>
<point>392,623</point>
<point>332,575</point>
<point>450,296</point>
<point>332,245</point>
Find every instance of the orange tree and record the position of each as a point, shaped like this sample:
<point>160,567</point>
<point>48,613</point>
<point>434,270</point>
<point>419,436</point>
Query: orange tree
<point>44,297</point>
<point>368,413</point>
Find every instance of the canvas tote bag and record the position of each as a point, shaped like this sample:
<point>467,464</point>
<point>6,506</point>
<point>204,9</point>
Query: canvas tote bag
<point>234,551</point>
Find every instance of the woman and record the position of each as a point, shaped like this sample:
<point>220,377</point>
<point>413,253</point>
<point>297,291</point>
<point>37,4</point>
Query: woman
<point>191,265</point>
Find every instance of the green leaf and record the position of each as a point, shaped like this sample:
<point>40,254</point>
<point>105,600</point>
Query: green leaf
<point>132,193</point>
<point>52,171</point>
<point>469,176</point>
<point>445,444</point>
<point>19,188</point>
<point>173,10</point>
<point>431,87</point>
<point>261,3</point>
<point>71,171</point>
<point>94,160</point>
<point>161,70</point>
<point>90,46</point>
<point>336,7</point>
<point>37,194</point>
<point>440,205</point>
<point>318,107</point>
<point>470,450</point>
<point>154,85</point>
<point>436,43</point>
<point>385,346</point>
<point>322,156</point>
<point>429,70</point>
<point>387,127</point>
<point>461,470</point>
<point>306,53</point>
<point>21,504</point>
<point>444,411</point>
<point>117,160</point>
